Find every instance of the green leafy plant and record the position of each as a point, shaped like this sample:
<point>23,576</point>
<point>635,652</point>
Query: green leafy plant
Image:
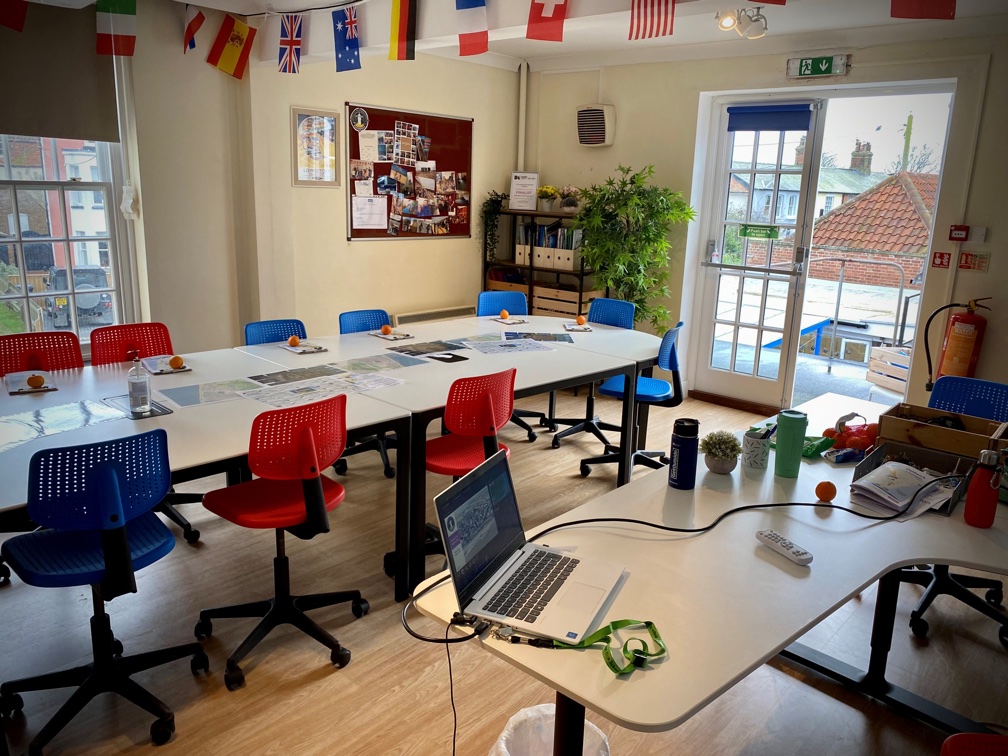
<point>625,223</point>
<point>721,444</point>
<point>490,213</point>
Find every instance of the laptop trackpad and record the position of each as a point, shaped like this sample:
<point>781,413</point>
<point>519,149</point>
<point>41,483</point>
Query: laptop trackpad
<point>580,596</point>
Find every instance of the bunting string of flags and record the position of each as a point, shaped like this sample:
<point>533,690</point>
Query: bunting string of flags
<point>347,37</point>
<point>13,13</point>
<point>474,37</point>
<point>651,18</point>
<point>546,20</point>
<point>231,49</point>
<point>194,19</point>
<point>116,20</point>
<point>402,38</point>
<point>290,43</point>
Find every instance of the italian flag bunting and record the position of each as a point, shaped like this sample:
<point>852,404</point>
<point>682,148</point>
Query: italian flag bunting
<point>116,27</point>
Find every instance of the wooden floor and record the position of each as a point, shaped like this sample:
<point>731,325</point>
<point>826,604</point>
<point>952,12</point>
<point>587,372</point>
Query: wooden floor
<point>394,696</point>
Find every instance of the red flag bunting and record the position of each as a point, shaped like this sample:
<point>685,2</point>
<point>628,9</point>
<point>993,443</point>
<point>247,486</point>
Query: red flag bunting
<point>943,10</point>
<point>546,20</point>
<point>12,14</point>
<point>651,18</point>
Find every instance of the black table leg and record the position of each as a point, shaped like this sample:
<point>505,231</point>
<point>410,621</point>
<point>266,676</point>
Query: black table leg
<point>627,427</point>
<point>568,726</point>
<point>404,473</point>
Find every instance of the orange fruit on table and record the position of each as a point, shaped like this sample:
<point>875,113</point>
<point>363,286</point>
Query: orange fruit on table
<point>386,329</point>
<point>35,381</point>
<point>505,314</point>
<point>176,362</point>
<point>581,320</point>
<point>294,340</point>
<point>825,491</point>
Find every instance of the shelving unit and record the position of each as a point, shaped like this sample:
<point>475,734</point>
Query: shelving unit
<point>550,290</point>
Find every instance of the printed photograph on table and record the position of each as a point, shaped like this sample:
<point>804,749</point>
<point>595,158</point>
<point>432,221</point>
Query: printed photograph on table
<point>420,161</point>
<point>314,147</point>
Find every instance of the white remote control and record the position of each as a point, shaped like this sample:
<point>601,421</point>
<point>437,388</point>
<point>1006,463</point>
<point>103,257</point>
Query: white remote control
<point>774,540</point>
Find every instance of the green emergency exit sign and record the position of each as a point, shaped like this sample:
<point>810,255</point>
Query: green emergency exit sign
<point>808,68</point>
<point>754,231</point>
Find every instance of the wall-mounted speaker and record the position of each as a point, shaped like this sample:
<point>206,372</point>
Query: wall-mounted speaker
<point>595,125</point>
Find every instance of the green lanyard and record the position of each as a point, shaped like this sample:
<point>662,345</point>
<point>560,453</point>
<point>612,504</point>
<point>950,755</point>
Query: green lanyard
<point>635,650</point>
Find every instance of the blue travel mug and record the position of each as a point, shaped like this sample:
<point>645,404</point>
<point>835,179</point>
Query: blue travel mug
<point>683,456</point>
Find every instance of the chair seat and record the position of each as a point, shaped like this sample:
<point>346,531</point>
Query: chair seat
<point>268,504</point>
<point>456,455</point>
<point>648,389</point>
<point>60,558</point>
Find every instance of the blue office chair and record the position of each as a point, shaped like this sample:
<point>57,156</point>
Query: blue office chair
<point>356,321</point>
<point>654,392</point>
<point>95,504</point>
<point>270,331</point>
<point>491,303</point>
<point>986,399</point>
<point>611,312</point>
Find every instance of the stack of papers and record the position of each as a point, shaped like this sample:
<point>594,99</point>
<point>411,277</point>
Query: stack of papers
<point>304,348</point>
<point>893,487</point>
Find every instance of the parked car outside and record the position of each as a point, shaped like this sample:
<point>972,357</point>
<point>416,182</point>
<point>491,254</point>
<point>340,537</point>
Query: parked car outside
<point>90,304</point>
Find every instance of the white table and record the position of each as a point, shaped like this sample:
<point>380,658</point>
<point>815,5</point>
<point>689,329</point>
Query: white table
<point>725,604</point>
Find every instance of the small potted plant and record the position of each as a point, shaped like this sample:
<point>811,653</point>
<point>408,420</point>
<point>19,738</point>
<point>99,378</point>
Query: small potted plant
<point>721,450</point>
<point>547,194</point>
<point>569,199</point>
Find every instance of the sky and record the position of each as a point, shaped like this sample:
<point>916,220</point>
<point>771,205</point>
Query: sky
<point>880,120</point>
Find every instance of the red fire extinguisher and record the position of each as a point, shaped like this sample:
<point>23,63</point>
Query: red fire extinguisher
<point>963,339</point>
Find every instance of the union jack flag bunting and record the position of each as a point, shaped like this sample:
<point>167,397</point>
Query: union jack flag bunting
<point>290,42</point>
<point>345,32</point>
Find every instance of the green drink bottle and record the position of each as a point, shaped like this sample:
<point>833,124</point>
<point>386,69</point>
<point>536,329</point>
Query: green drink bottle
<point>791,426</point>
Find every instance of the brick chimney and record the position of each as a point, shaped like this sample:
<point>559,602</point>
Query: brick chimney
<point>799,153</point>
<point>861,157</point>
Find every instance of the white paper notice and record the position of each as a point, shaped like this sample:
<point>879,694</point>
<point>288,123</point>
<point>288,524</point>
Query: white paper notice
<point>367,143</point>
<point>363,189</point>
<point>523,191</point>
<point>370,212</point>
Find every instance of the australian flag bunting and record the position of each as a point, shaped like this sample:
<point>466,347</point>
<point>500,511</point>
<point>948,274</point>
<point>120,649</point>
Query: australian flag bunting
<point>345,30</point>
<point>290,42</point>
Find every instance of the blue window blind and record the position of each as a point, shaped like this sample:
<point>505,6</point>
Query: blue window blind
<point>769,117</point>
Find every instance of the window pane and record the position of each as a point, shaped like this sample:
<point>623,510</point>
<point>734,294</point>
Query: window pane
<point>756,252</point>
<point>764,185</point>
<point>12,319</point>
<point>752,300</point>
<point>7,224</point>
<point>745,351</point>
<point>41,207</point>
<point>742,148</point>
<point>731,246</point>
<point>738,196</point>
<point>727,300</point>
<point>721,349</point>
<point>767,151</point>
<point>770,354</point>
<point>776,303</point>
<point>86,219</point>
<point>794,149</point>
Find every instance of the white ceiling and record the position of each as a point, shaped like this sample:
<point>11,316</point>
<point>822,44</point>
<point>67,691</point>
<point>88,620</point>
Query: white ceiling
<point>595,31</point>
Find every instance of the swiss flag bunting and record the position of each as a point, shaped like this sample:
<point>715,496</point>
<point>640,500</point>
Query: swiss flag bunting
<point>546,20</point>
<point>943,10</point>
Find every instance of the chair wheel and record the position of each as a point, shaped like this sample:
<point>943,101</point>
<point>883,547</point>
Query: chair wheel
<point>191,535</point>
<point>389,472</point>
<point>585,470</point>
<point>340,657</point>
<point>360,608</point>
<point>389,564</point>
<point>994,596</point>
<point>199,663</point>
<point>203,629</point>
<point>117,647</point>
<point>161,730</point>
<point>234,678</point>
<point>10,704</point>
<point>556,443</point>
<point>339,466</point>
<point>919,627</point>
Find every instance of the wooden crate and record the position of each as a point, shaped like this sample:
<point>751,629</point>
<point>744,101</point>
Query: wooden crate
<point>909,424</point>
<point>561,302</point>
<point>889,367</point>
<point>507,286</point>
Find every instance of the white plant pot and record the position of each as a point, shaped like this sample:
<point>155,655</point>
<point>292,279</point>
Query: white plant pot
<point>720,465</point>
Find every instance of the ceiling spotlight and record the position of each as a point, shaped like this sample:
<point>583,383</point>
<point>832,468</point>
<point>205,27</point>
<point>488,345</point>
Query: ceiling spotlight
<point>727,20</point>
<point>751,23</point>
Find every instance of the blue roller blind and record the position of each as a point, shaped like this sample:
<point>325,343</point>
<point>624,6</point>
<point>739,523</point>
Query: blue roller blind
<point>770,117</point>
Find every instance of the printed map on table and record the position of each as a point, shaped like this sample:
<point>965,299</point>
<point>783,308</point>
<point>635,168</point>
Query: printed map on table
<point>508,347</point>
<point>427,347</point>
<point>208,393</point>
<point>565,337</point>
<point>27,426</point>
<point>316,389</point>
<point>378,362</point>
<point>296,374</point>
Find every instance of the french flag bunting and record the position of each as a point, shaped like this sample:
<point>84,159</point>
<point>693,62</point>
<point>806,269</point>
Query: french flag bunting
<point>942,10</point>
<point>290,43</point>
<point>12,14</point>
<point>194,19</point>
<point>546,20</point>
<point>651,18</point>
<point>472,26</point>
<point>347,36</point>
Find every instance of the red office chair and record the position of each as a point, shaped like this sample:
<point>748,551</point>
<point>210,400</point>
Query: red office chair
<point>476,408</point>
<point>118,343</point>
<point>975,744</point>
<point>45,350</point>
<point>288,450</point>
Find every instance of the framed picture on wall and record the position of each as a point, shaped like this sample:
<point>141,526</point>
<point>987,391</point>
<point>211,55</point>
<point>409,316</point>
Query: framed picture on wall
<point>314,147</point>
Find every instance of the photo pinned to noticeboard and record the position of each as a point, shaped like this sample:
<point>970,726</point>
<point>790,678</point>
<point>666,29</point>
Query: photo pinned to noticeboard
<point>387,185</point>
<point>441,226</point>
<point>445,182</point>
<point>397,203</point>
<point>404,152</point>
<point>386,146</point>
<point>403,177</point>
<point>394,221</point>
<point>423,146</point>
<point>361,170</point>
<point>461,181</point>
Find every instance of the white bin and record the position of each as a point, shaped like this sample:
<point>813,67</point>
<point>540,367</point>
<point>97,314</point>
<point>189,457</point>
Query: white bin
<point>530,733</point>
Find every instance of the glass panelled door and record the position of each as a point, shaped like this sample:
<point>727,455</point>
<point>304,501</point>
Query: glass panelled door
<point>752,277</point>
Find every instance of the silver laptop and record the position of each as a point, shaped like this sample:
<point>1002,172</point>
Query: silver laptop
<point>500,577</point>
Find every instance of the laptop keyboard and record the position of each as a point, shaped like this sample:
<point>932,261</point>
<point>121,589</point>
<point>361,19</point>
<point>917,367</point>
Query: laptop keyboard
<point>527,591</point>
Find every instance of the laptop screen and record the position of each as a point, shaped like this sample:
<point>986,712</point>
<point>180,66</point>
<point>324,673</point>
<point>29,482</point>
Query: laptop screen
<point>480,525</point>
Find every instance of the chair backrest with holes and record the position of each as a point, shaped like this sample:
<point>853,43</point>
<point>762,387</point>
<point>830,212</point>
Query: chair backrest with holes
<point>480,405</point>
<point>286,443</point>
<point>269,331</point>
<point>971,396</point>
<point>611,312</point>
<point>356,321</point>
<point>44,350</point>
<point>492,302</point>
<point>117,343</point>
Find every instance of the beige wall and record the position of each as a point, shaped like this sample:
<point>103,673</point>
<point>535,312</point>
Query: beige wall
<point>657,110</point>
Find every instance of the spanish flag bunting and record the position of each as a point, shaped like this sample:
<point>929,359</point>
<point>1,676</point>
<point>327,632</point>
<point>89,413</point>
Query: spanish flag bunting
<point>403,34</point>
<point>231,49</point>
<point>116,27</point>
<point>942,10</point>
